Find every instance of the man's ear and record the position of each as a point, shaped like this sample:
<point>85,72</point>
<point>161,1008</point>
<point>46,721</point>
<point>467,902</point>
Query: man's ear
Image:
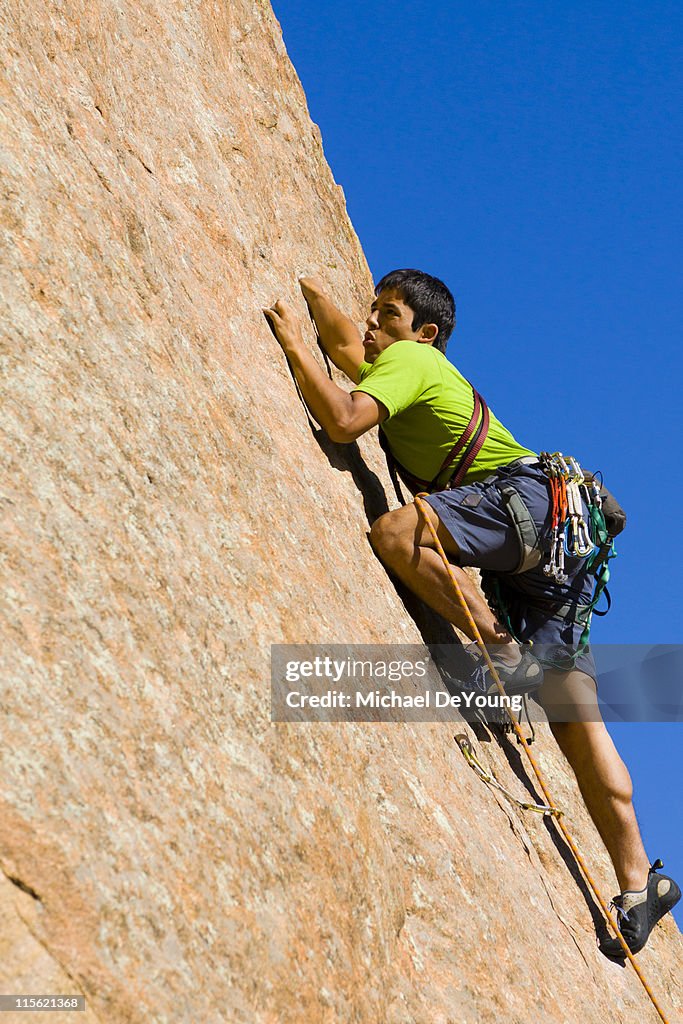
<point>428,334</point>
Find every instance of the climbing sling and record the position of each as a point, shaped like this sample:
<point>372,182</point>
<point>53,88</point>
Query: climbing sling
<point>465,451</point>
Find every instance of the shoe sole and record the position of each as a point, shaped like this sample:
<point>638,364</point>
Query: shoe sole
<point>515,689</point>
<point>667,902</point>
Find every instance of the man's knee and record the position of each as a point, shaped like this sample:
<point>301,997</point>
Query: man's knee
<point>591,752</point>
<point>573,737</point>
<point>392,534</point>
<point>570,699</point>
<point>567,736</point>
<point>401,532</point>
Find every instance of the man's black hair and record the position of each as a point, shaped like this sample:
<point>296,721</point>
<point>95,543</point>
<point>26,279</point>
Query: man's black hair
<point>428,297</point>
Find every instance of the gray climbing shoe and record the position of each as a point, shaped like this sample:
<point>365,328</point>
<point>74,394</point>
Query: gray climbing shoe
<point>639,912</point>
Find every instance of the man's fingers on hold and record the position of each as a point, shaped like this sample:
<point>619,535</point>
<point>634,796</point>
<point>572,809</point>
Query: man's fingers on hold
<point>269,315</point>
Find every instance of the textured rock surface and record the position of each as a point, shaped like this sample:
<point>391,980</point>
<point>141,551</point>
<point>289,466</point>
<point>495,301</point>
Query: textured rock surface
<point>166,515</point>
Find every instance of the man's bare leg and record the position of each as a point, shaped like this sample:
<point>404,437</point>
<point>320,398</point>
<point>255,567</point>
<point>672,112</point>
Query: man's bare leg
<point>405,545</point>
<point>602,776</point>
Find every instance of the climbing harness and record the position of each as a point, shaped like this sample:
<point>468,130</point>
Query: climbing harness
<point>523,522</point>
<point>526,805</point>
<point>572,533</point>
<point>552,808</point>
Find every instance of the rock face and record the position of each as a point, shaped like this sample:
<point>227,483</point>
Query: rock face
<point>166,850</point>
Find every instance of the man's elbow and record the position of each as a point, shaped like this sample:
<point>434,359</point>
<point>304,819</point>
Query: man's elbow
<point>343,434</point>
<point>345,430</point>
<point>353,418</point>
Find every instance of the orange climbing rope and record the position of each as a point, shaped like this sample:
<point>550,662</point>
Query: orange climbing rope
<point>476,635</point>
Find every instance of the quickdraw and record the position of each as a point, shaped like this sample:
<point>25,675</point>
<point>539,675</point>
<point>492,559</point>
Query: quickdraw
<point>526,805</point>
<point>577,540</point>
<point>571,531</point>
<point>558,498</point>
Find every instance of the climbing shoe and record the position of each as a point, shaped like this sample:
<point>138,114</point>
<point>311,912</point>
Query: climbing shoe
<point>638,912</point>
<point>524,677</point>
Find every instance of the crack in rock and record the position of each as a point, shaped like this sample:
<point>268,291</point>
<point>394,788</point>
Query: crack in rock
<point>24,887</point>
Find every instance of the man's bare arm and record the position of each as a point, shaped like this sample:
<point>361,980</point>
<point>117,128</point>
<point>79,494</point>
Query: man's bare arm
<point>339,335</point>
<point>344,417</point>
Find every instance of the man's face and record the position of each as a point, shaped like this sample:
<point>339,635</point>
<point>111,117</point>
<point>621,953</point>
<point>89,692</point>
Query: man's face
<point>390,320</point>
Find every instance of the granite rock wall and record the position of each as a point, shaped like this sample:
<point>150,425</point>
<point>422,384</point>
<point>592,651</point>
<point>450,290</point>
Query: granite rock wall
<point>167,514</point>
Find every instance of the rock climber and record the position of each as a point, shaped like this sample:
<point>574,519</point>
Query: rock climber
<point>432,421</point>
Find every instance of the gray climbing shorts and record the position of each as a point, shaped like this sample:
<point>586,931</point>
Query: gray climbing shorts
<point>477,519</point>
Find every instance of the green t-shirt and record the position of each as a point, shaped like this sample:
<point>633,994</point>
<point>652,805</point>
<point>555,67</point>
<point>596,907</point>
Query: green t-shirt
<point>429,405</point>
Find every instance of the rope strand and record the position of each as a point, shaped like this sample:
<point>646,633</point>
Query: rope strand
<point>556,813</point>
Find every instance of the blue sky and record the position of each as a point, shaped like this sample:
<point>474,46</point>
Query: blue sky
<point>531,156</point>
